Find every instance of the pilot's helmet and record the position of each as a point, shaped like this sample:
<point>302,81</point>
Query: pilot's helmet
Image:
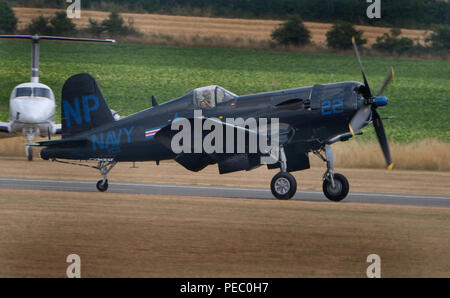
<point>207,95</point>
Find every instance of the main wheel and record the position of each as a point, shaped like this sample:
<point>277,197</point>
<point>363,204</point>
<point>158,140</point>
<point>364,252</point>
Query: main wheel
<point>102,186</point>
<point>340,189</point>
<point>283,186</point>
<point>29,151</point>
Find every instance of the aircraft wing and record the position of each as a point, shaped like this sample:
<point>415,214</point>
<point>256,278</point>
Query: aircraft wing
<point>228,162</point>
<point>4,130</point>
<point>285,131</point>
<point>165,134</point>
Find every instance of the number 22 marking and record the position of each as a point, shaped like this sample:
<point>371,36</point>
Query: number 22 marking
<point>331,107</point>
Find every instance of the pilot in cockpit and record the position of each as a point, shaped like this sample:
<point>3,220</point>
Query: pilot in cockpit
<point>207,100</point>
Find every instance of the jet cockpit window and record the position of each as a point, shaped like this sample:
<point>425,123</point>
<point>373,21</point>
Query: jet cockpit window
<point>36,92</point>
<point>210,96</point>
<point>23,92</point>
<point>41,92</point>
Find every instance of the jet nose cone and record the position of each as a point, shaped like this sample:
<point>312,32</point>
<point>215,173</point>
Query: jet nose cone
<point>31,110</point>
<point>381,101</point>
<point>30,116</point>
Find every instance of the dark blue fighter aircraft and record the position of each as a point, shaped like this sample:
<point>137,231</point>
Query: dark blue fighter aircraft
<point>311,119</point>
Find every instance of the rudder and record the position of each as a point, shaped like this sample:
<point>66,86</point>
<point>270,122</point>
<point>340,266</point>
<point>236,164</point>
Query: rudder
<point>83,106</point>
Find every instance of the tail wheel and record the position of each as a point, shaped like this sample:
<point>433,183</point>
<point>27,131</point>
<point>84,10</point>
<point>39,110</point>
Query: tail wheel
<point>102,186</point>
<point>340,189</point>
<point>283,186</point>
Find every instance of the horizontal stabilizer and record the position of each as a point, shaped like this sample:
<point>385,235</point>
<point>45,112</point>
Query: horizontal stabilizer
<point>37,38</point>
<point>61,143</point>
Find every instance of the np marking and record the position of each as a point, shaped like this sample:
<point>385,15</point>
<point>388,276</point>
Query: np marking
<point>89,103</point>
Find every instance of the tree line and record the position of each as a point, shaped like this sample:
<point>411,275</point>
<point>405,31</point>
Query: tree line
<point>291,32</point>
<point>399,13</point>
<point>340,36</point>
<point>59,24</point>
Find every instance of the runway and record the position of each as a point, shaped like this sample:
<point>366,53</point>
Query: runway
<point>219,192</point>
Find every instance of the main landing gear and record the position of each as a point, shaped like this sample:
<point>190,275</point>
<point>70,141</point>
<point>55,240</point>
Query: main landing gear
<point>104,167</point>
<point>335,186</point>
<point>283,185</point>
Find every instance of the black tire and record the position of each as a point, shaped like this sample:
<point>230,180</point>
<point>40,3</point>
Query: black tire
<point>29,153</point>
<point>283,186</point>
<point>102,187</point>
<point>341,188</point>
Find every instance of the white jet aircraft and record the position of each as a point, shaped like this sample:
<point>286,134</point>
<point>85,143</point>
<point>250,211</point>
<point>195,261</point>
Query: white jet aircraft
<point>32,105</point>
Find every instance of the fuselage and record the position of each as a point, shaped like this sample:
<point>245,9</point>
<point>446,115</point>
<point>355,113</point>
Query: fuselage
<point>316,113</point>
<point>32,109</point>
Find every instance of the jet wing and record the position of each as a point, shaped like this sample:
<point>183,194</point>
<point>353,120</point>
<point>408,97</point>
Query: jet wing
<point>4,130</point>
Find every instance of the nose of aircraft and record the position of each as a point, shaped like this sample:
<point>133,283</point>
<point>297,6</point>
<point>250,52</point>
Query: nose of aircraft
<point>32,111</point>
<point>381,101</point>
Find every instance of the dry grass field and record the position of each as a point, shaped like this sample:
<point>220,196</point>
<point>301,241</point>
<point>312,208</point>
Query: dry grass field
<point>186,27</point>
<point>119,235</point>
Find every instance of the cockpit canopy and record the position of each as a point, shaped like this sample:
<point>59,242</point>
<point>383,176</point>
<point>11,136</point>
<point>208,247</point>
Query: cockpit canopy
<point>32,91</point>
<point>211,96</point>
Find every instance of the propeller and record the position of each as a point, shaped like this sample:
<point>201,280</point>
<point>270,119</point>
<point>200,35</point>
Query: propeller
<point>387,81</point>
<point>369,110</point>
<point>381,134</point>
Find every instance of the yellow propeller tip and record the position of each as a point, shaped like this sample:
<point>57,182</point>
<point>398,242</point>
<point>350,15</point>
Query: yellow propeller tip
<point>351,130</point>
<point>393,72</point>
<point>390,167</point>
<point>353,39</point>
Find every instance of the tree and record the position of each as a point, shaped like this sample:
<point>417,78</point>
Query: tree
<point>440,38</point>
<point>39,26</point>
<point>8,20</point>
<point>61,24</point>
<point>392,43</point>
<point>95,28</point>
<point>57,25</point>
<point>114,24</point>
<point>341,34</point>
<point>293,31</point>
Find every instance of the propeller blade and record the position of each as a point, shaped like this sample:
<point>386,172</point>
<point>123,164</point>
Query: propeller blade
<point>360,118</point>
<point>366,83</point>
<point>381,134</point>
<point>388,80</point>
